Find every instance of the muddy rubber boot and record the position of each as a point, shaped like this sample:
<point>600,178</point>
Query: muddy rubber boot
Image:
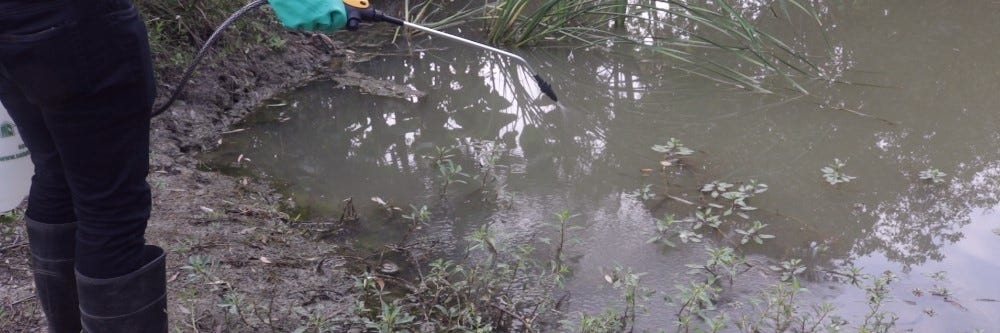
<point>134,302</point>
<point>52,249</point>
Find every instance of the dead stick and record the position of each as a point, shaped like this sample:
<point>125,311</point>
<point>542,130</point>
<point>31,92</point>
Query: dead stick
<point>890,122</point>
<point>13,246</point>
<point>527,324</point>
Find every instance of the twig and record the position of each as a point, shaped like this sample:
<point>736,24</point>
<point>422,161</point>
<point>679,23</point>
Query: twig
<point>890,122</point>
<point>400,282</point>
<point>348,214</point>
<point>13,246</point>
<point>527,323</point>
<point>22,300</point>
<point>679,199</point>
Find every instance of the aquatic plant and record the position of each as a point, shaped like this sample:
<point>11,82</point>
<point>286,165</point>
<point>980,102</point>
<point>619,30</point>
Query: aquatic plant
<point>418,217</point>
<point>778,309</point>
<point>715,188</point>
<point>693,301</point>
<point>789,269</point>
<point>643,193</point>
<point>476,296</point>
<point>486,154</point>
<point>664,231</point>
<point>672,151</point>
<point>723,262</point>
<point>877,320</point>
<point>633,293</point>
<point>450,173</point>
<point>704,216</point>
<point>833,173</point>
<point>753,233</point>
<point>932,175</point>
<point>562,228</point>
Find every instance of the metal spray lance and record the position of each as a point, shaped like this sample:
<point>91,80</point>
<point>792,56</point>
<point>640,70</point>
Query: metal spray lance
<point>361,11</point>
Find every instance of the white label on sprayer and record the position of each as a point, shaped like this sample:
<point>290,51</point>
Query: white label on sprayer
<point>7,130</point>
<point>15,166</point>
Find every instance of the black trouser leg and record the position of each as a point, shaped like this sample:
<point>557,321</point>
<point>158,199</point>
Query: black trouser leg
<point>76,77</point>
<point>80,88</point>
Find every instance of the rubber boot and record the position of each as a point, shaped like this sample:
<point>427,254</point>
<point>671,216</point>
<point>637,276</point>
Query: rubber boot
<point>134,302</point>
<point>52,250</point>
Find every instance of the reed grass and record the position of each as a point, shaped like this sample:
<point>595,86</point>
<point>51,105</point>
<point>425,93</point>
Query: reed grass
<point>685,32</point>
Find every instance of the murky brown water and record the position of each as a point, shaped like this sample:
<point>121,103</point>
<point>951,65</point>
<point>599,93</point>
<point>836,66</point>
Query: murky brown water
<point>940,102</point>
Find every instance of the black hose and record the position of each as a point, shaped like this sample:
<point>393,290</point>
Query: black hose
<point>201,54</point>
<point>372,15</point>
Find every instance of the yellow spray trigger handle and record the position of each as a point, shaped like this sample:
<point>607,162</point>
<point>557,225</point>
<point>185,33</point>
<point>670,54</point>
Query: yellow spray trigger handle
<point>359,4</point>
<point>358,11</point>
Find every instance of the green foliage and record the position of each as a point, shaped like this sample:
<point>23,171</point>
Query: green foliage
<point>200,267</point>
<point>705,216</point>
<point>562,228</point>
<point>789,269</point>
<point>737,195</point>
<point>643,193</point>
<point>487,155</point>
<point>482,239</point>
<point>177,28</point>
<point>664,231</point>
<point>231,302</point>
<point>450,173</point>
<point>607,322</point>
<point>504,288</point>
<point>933,176</point>
<point>478,296</point>
<point>777,309</point>
<point>315,321</point>
<point>833,174</point>
<point>391,319</point>
<point>753,233</point>
<point>7,224</point>
<point>418,218</point>
<point>723,262</point>
<point>11,216</point>
<point>443,154</point>
<point>716,188</point>
<point>688,236</point>
<point>672,151</point>
<point>878,320</point>
<point>693,300</point>
<point>633,294</point>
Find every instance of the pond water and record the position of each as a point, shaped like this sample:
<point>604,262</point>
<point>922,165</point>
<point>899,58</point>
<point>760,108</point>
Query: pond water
<point>929,99</point>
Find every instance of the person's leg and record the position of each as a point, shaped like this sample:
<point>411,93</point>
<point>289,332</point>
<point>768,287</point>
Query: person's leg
<point>103,138</point>
<point>92,79</point>
<point>49,219</point>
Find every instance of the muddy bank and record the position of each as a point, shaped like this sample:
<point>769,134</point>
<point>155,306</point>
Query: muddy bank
<point>236,263</point>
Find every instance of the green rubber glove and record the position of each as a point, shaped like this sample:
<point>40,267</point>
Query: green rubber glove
<point>322,15</point>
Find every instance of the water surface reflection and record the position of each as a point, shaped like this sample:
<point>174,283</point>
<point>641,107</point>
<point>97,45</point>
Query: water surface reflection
<point>585,155</point>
